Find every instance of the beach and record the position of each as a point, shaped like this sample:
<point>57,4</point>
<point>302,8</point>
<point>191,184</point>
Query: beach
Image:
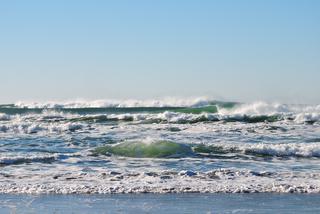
<point>160,106</point>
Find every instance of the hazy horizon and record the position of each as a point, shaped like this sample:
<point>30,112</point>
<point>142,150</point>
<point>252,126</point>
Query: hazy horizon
<point>225,50</point>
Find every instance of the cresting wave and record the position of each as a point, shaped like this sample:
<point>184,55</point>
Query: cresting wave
<point>200,111</point>
<point>165,117</point>
<point>166,102</point>
<point>255,108</point>
<point>168,149</point>
<point>24,158</point>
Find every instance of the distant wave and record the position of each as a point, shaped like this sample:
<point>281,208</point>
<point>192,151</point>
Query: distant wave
<point>28,120</point>
<point>197,105</point>
<point>54,122</point>
<point>166,102</point>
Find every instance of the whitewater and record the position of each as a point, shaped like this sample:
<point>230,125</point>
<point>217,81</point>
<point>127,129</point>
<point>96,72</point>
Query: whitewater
<point>159,146</point>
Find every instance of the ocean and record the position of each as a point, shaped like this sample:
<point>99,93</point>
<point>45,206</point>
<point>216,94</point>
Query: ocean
<point>159,146</point>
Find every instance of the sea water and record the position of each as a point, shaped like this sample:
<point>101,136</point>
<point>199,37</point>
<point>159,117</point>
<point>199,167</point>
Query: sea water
<point>159,146</point>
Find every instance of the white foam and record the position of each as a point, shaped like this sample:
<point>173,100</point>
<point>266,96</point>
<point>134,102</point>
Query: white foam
<point>46,128</point>
<point>257,108</point>
<point>67,181</point>
<point>7,159</point>
<point>52,121</point>
<point>165,102</point>
<point>4,117</point>
<point>307,117</point>
<point>285,149</point>
<point>300,113</point>
<point>263,108</point>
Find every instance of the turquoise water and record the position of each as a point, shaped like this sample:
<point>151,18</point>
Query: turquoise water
<point>158,147</point>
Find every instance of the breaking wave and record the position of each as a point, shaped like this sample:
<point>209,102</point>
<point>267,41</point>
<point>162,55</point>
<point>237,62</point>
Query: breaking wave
<point>179,109</point>
<point>168,149</point>
<point>176,111</point>
<point>303,150</point>
<point>157,149</point>
<point>27,158</point>
<point>166,102</point>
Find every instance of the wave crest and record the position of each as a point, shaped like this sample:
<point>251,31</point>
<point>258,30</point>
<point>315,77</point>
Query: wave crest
<point>305,150</point>
<point>161,148</point>
<point>166,102</point>
<point>27,158</point>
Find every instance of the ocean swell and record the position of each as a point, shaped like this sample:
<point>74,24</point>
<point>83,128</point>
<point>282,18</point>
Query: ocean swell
<point>168,149</point>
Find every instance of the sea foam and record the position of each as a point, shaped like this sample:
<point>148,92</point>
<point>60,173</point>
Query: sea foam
<point>165,102</point>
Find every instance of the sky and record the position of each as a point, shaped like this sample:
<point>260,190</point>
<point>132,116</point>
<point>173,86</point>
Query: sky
<point>240,50</point>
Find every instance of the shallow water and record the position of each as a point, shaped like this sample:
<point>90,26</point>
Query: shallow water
<point>205,146</point>
<point>161,203</point>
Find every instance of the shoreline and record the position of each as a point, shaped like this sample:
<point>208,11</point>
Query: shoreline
<point>161,203</point>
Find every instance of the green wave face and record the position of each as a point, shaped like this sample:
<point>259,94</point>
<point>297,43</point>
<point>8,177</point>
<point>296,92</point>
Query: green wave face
<point>159,149</point>
<point>168,149</point>
<point>226,105</point>
<point>207,109</point>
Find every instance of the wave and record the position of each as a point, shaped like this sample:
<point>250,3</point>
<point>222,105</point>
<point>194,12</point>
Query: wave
<point>180,117</point>
<point>65,122</point>
<point>27,158</point>
<point>197,105</point>
<point>146,149</point>
<point>13,118</point>
<point>4,117</point>
<point>168,149</point>
<point>32,128</point>
<point>304,150</point>
<point>166,102</point>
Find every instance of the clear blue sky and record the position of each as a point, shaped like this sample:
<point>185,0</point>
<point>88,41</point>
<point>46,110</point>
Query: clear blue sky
<point>235,50</point>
